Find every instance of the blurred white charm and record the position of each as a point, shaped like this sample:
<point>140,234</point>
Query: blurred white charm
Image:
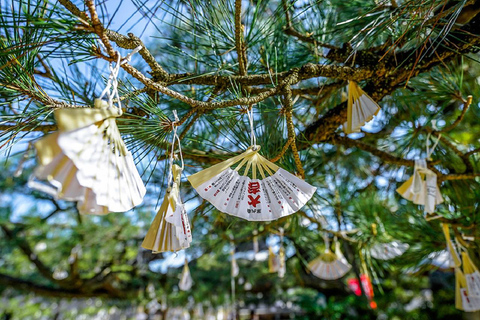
<point>389,250</point>
<point>91,140</point>
<point>422,187</point>
<point>329,265</point>
<point>278,194</point>
<point>361,108</point>
<point>186,281</point>
<point>282,267</point>
<point>170,230</point>
<point>235,269</point>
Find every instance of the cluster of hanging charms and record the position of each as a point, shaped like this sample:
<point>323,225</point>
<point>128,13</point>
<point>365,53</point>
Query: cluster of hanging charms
<point>386,250</point>
<point>329,265</point>
<point>422,188</point>
<point>186,281</point>
<point>86,160</point>
<point>277,194</point>
<point>360,108</point>
<point>467,281</point>
<point>170,230</point>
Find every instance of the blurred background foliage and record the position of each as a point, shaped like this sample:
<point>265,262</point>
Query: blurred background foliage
<point>57,264</point>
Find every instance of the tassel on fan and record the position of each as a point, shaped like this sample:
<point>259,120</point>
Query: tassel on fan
<point>387,251</point>
<point>170,230</point>
<point>277,194</point>
<point>361,108</point>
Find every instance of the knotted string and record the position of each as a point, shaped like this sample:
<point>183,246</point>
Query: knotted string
<point>253,139</point>
<point>111,89</point>
<point>177,139</point>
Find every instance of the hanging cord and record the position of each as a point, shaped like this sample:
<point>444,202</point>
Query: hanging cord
<point>177,139</point>
<point>253,139</point>
<point>429,152</point>
<point>111,89</point>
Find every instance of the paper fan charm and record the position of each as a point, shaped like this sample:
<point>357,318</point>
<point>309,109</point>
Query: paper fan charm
<point>361,108</point>
<point>170,230</point>
<point>472,275</point>
<point>422,187</point>
<point>277,194</point>
<point>463,298</point>
<point>186,281</point>
<point>329,265</point>
<point>387,251</point>
<point>91,140</point>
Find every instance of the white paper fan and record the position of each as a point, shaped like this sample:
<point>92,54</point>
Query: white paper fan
<point>422,188</point>
<point>389,250</point>
<point>278,194</point>
<point>361,108</point>
<point>97,150</point>
<point>56,175</point>
<point>328,266</point>
<point>186,281</point>
<point>170,230</point>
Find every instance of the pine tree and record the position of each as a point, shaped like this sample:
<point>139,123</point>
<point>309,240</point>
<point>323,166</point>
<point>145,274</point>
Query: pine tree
<point>290,62</point>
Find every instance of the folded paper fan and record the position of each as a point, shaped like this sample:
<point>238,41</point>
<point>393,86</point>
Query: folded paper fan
<point>186,281</point>
<point>91,140</point>
<point>278,194</point>
<point>170,230</point>
<point>463,299</point>
<point>422,187</point>
<point>328,266</point>
<point>56,175</point>
<point>361,108</point>
<point>387,251</point>
<point>472,276</point>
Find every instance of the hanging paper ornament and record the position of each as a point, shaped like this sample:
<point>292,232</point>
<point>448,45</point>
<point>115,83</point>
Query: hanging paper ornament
<point>272,261</point>
<point>329,266</point>
<point>339,254</point>
<point>235,269</point>
<point>282,267</point>
<point>255,242</point>
<point>186,281</point>
<point>463,299</point>
<point>87,160</point>
<point>278,194</point>
<point>451,247</point>
<point>170,230</point>
<point>389,250</point>
<point>422,187</point>
<point>361,108</point>
<point>472,275</point>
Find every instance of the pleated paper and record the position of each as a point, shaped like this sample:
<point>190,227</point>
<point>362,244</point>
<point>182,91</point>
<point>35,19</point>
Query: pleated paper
<point>422,188</point>
<point>329,266</point>
<point>91,140</point>
<point>463,299</point>
<point>361,108</point>
<point>277,194</point>
<point>387,251</point>
<point>472,275</point>
<point>170,230</point>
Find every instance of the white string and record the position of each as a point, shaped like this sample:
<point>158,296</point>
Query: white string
<point>111,89</point>
<point>253,139</point>
<point>175,138</point>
